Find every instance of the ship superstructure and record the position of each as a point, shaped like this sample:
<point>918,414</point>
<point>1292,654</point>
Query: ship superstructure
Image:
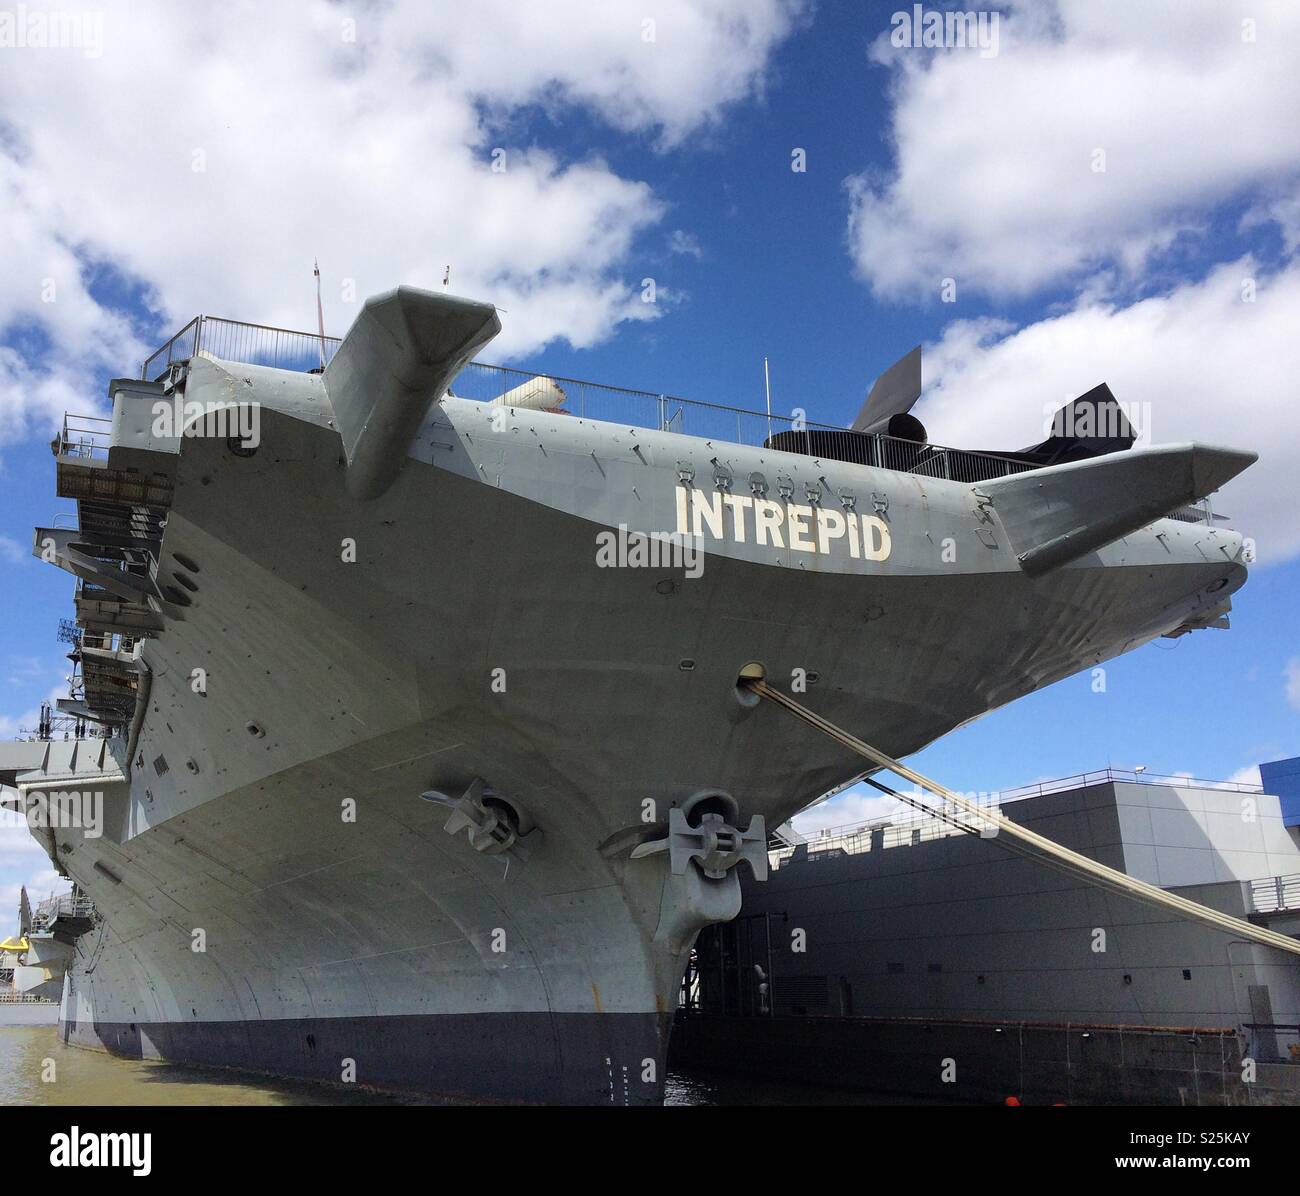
<point>431,755</point>
<point>33,961</point>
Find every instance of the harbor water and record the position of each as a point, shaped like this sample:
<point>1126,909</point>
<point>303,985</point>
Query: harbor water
<point>36,1068</point>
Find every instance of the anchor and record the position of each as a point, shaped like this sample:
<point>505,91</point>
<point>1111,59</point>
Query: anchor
<point>712,841</point>
<point>492,822</point>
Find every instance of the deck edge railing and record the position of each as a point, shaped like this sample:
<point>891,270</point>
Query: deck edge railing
<point>283,348</point>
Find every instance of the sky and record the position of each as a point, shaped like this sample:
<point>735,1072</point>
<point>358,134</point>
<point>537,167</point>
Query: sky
<point>1098,191</point>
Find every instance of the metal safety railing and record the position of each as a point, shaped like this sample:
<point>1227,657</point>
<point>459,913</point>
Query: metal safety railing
<point>85,436</point>
<point>856,838</point>
<point>282,348</point>
<point>236,340</point>
<point>1101,775</point>
<point>66,905</point>
<point>715,421</point>
<point>909,829</point>
<point>1273,894</point>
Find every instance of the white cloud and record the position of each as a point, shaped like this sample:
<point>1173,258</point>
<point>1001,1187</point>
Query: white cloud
<point>680,241</point>
<point>1283,211</point>
<point>848,809</point>
<point>13,553</point>
<point>1249,775</point>
<point>1292,675</point>
<point>1212,367</point>
<point>211,153</point>
<point>22,862</point>
<point>26,676</point>
<point>993,182</point>
<point>668,77</point>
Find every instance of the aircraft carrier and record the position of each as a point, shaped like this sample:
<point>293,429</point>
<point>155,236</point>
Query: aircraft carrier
<point>430,752</point>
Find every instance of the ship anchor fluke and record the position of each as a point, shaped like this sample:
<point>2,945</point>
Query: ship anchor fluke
<point>493,823</point>
<point>713,843</point>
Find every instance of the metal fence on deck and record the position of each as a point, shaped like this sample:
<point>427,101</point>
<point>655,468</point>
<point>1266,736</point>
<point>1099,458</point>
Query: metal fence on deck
<point>87,436</point>
<point>727,425</point>
<point>281,348</point>
<point>66,905</point>
<point>235,340</point>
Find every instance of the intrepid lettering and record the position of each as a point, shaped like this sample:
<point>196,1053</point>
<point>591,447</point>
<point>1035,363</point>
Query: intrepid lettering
<point>803,528</point>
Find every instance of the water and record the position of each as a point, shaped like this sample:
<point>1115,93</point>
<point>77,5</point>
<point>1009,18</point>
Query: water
<point>84,1077</point>
<point>92,1078</point>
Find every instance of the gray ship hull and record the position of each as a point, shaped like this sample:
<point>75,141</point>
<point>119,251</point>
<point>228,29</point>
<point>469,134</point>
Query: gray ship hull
<point>277,895</point>
<point>553,1058</point>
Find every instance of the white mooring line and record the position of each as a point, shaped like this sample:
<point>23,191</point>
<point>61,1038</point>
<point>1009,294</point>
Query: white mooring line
<point>1111,878</point>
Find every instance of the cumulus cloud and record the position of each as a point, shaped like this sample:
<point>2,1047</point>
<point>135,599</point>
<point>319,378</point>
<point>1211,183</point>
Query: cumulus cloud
<point>994,184</point>
<point>34,397</point>
<point>207,155</point>
<point>22,862</point>
<point>1197,362</point>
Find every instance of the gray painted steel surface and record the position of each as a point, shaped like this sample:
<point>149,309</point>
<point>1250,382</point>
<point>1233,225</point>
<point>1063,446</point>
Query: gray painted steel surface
<point>956,926</point>
<point>329,680</point>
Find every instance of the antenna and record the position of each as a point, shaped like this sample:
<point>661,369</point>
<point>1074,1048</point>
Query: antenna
<point>320,313</point>
<point>767,386</point>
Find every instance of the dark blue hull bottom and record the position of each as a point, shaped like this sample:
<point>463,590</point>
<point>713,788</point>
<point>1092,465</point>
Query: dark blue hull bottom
<point>540,1058</point>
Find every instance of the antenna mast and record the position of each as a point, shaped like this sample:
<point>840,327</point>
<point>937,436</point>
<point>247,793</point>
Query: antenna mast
<point>320,313</point>
<point>767,386</point>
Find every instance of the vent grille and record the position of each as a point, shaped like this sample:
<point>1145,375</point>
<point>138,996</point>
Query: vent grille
<point>160,766</point>
<point>802,994</point>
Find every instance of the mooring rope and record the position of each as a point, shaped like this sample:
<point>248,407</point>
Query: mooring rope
<point>1073,861</point>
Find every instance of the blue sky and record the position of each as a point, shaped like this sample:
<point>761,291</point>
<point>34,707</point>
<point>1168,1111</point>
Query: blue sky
<point>369,146</point>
